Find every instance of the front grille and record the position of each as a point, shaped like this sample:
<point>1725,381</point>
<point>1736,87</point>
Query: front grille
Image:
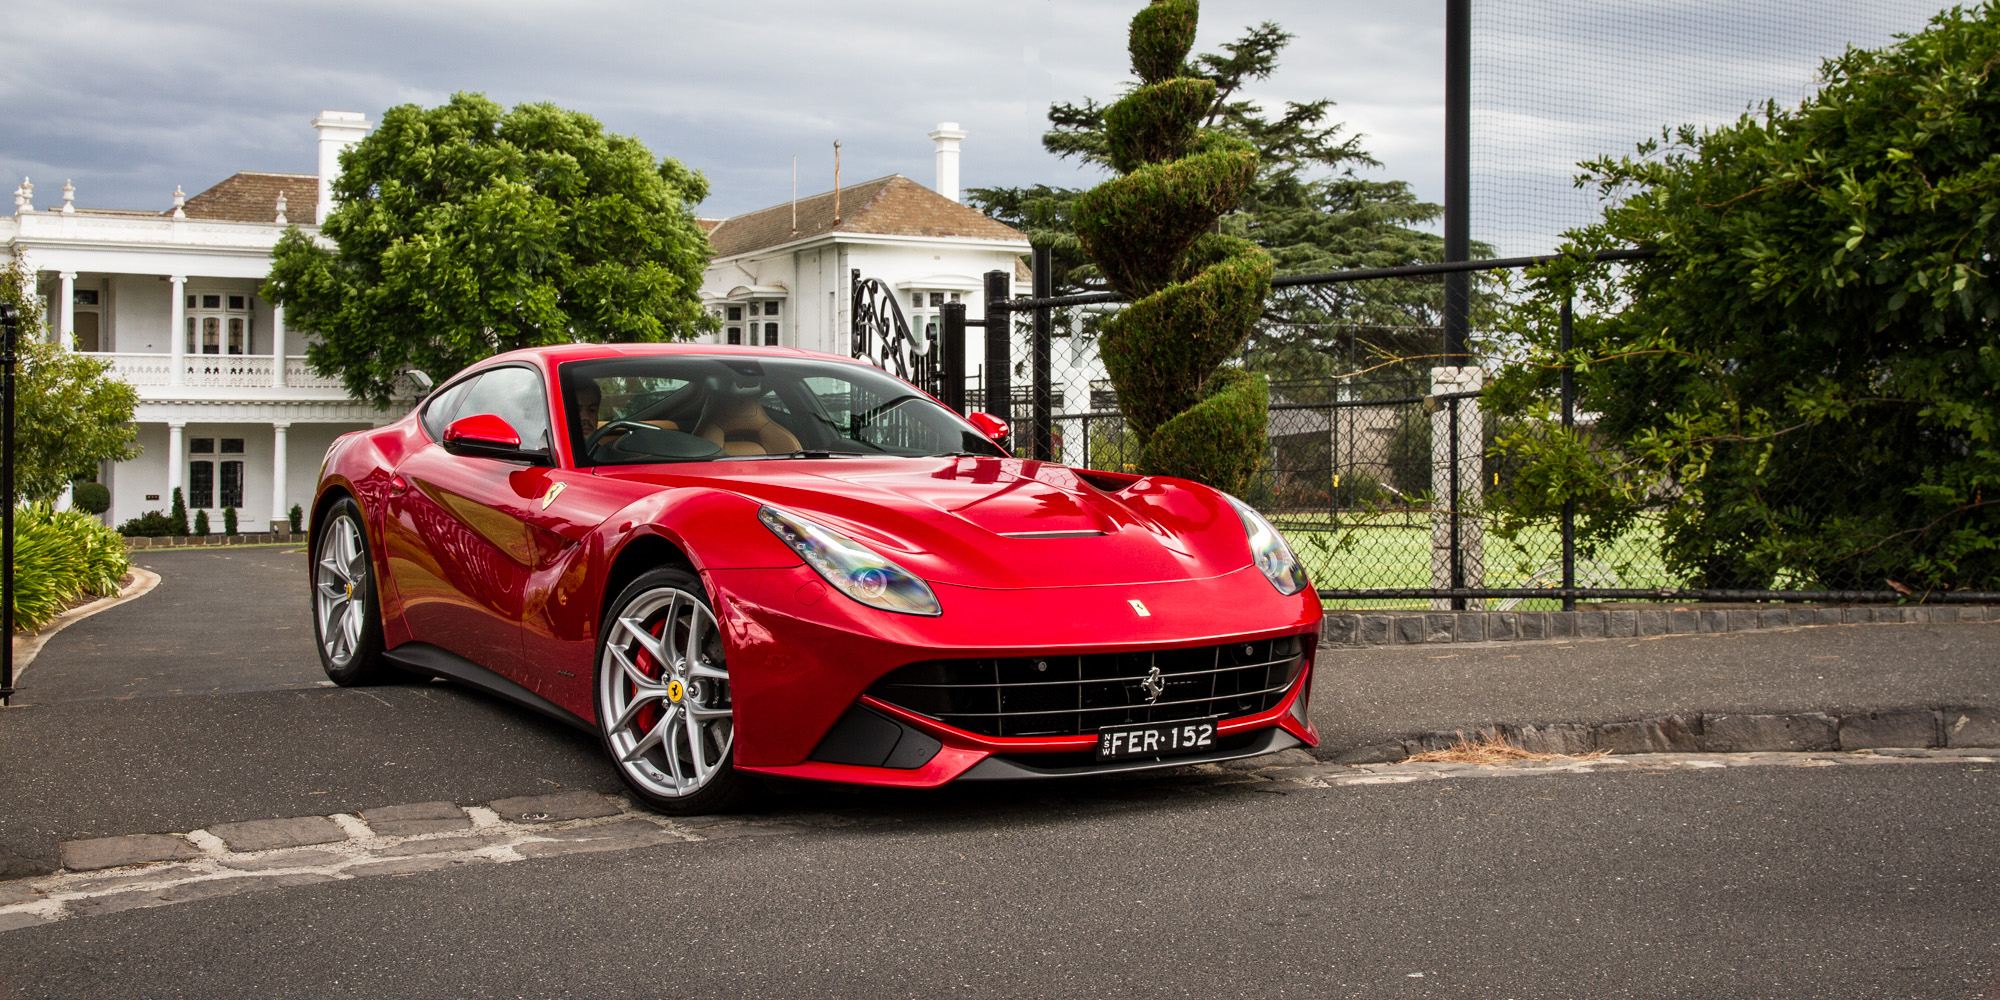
<point>1076,695</point>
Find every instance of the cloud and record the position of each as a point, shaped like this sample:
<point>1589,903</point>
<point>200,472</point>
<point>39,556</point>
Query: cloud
<point>131,98</point>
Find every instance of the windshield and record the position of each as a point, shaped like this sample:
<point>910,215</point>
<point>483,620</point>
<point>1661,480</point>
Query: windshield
<point>689,408</point>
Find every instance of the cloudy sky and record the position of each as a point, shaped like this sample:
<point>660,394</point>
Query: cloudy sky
<point>130,99</point>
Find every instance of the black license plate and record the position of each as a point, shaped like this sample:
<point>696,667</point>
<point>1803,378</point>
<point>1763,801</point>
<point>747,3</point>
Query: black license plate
<point>1156,739</point>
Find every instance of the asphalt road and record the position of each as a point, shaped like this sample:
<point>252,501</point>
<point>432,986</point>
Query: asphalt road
<point>1766,882</point>
<point>1753,882</point>
<point>112,738</point>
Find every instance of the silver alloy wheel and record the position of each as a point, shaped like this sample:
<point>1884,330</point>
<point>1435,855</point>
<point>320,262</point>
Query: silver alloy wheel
<point>340,588</point>
<point>665,651</point>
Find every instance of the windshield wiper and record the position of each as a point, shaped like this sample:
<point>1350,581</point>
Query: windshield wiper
<point>802,453</point>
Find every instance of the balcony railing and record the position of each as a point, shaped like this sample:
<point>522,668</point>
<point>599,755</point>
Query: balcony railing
<point>231,371</point>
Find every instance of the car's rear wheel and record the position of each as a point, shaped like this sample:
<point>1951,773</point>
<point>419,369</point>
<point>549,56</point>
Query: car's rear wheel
<point>663,704</point>
<point>347,620</point>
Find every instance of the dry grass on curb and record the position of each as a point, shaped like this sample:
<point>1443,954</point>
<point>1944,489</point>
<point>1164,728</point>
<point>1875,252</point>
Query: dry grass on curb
<point>1492,748</point>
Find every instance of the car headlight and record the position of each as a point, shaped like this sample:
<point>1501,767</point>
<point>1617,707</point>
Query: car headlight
<point>854,569</point>
<point>1269,551</point>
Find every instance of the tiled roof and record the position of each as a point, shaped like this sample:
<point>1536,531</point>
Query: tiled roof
<point>252,196</point>
<point>887,206</point>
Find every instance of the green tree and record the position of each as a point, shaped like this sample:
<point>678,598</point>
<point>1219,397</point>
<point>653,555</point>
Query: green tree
<point>1807,377</point>
<point>70,415</point>
<point>1306,206</point>
<point>1195,293</point>
<point>461,231</point>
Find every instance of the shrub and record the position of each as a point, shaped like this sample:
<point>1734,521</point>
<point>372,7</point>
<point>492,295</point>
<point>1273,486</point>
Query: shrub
<point>229,520</point>
<point>201,523</point>
<point>151,524</point>
<point>179,513</point>
<point>58,557</point>
<point>91,498</point>
<point>297,518</point>
<point>1807,373</point>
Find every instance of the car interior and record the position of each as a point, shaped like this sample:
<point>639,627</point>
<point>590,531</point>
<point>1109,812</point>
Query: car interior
<point>688,409</point>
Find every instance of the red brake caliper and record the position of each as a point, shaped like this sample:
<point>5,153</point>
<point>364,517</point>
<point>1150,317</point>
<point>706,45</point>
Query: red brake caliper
<point>649,716</point>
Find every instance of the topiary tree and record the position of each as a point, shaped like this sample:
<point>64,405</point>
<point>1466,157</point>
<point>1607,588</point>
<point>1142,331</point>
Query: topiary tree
<point>89,497</point>
<point>179,513</point>
<point>229,520</point>
<point>201,523</point>
<point>296,517</point>
<point>1196,293</point>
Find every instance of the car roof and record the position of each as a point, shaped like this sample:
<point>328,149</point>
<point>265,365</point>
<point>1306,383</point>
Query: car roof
<point>561,353</point>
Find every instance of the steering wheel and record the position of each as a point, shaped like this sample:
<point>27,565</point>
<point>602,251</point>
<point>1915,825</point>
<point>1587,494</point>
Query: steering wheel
<point>590,443</point>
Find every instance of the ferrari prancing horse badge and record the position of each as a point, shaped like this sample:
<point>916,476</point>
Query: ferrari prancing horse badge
<point>555,490</point>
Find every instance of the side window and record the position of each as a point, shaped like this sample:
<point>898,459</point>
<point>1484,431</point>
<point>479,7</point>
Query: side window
<point>437,410</point>
<point>514,395</point>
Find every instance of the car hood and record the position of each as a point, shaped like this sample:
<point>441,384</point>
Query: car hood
<point>991,522</point>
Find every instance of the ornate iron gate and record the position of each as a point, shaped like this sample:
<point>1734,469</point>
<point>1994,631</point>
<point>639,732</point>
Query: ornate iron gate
<point>882,336</point>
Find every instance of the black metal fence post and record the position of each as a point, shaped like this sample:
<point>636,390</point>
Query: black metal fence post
<point>9,332</point>
<point>951,331</point>
<point>1457,543</point>
<point>1043,430</point>
<point>999,388</point>
<point>1569,425</point>
<point>1457,178</point>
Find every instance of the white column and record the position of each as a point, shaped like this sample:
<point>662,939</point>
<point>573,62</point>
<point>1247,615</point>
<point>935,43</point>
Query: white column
<point>1469,430</point>
<point>278,349</point>
<point>66,311</point>
<point>280,504</point>
<point>176,458</point>
<point>177,333</point>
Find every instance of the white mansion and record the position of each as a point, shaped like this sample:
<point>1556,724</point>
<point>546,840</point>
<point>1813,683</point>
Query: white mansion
<point>230,412</point>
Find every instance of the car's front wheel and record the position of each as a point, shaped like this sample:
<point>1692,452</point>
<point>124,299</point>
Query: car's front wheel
<point>663,704</point>
<point>347,621</point>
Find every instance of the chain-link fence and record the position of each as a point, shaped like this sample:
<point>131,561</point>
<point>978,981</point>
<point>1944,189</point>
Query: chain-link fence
<point>1393,478</point>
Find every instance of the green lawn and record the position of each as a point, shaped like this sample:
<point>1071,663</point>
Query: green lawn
<point>1376,555</point>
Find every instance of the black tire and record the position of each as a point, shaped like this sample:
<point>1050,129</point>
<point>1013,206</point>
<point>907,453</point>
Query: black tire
<point>669,601</point>
<point>342,574</point>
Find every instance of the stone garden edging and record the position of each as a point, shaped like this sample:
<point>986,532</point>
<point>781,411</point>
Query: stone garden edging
<point>1398,628</point>
<point>134,542</point>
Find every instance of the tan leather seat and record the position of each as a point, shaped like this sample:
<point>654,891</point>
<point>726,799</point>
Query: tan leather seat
<point>742,427</point>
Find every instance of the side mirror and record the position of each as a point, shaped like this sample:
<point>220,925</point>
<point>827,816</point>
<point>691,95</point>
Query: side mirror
<point>488,436</point>
<point>993,427</point>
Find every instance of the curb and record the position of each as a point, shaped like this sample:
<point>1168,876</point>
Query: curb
<point>1714,732</point>
<point>26,646</point>
<point>1357,629</point>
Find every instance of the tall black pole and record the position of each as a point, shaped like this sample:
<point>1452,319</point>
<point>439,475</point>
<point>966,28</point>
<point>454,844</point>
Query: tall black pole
<point>951,330</point>
<point>1043,269</point>
<point>9,331</point>
<point>1457,177</point>
<point>1569,424</point>
<point>999,389</point>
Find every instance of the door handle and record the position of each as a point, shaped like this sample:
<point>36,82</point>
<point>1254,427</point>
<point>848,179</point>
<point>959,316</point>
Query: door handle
<point>397,487</point>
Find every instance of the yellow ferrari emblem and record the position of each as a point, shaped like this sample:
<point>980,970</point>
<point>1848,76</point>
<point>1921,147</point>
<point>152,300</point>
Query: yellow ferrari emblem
<point>555,490</point>
<point>674,691</point>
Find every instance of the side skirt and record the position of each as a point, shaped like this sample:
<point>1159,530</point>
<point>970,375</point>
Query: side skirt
<point>424,658</point>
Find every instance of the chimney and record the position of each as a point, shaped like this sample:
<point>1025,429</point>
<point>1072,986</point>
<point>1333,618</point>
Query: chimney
<point>337,131</point>
<point>946,137</point>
